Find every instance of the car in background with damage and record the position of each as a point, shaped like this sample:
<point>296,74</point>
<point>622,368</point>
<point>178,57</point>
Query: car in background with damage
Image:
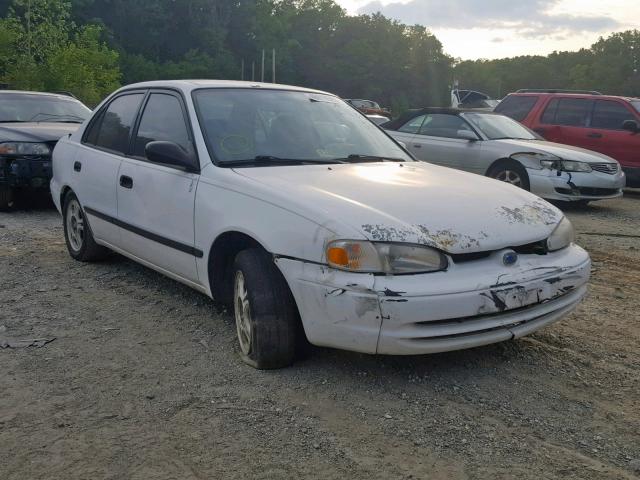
<point>496,146</point>
<point>603,123</point>
<point>311,222</point>
<point>472,100</point>
<point>368,107</point>
<point>31,123</point>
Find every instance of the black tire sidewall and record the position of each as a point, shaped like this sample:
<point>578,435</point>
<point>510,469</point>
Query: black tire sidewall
<point>274,315</point>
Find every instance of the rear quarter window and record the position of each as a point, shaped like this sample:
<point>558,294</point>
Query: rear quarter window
<point>516,107</point>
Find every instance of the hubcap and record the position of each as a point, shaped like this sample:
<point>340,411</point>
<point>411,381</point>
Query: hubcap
<point>510,176</point>
<point>242,313</point>
<point>75,225</point>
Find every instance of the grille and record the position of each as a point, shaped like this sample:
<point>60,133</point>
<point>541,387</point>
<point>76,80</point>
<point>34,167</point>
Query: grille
<point>609,168</point>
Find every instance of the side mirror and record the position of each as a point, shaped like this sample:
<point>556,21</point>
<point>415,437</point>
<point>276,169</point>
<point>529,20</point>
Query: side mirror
<point>631,126</point>
<point>170,153</point>
<point>467,135</point>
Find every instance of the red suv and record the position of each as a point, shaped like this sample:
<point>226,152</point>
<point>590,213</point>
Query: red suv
<point>603,123</point>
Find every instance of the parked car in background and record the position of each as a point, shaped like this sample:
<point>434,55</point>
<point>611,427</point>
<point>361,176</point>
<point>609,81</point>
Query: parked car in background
<point>496,146</point>
<point>311,222</point>
<point>378,119</point>
<point>31,123</point>
<point>368,107</point>
<point>470,99</point>
<point>602,123</point>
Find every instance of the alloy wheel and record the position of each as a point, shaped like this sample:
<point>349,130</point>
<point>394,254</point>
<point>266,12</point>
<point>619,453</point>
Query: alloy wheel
<point>75,225</point>
<point>242,313</point>
<point>509,176</point>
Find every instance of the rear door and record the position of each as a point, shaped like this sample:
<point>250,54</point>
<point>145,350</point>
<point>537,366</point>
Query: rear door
<point>438,142</point>
<point>96,165</point>
<point>565,120</point>
<point>407,132</point>
<point>607,136</point>
<point>155,201</point>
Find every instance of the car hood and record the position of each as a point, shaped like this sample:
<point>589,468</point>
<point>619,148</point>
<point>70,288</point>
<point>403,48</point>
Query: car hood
<point>413,202</point>
<point>566,152</point>
<point>35,132</point>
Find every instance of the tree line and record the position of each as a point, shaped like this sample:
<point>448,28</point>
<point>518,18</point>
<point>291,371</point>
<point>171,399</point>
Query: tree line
<point>90,47</point>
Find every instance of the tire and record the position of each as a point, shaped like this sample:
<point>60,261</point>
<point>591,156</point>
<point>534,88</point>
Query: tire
<point>77,232</point>
<point>511,172</point>
<point>7,198</point>
<point>267,321</point>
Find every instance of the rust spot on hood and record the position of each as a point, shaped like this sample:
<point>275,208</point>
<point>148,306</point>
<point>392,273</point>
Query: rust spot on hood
<point>535,213</point>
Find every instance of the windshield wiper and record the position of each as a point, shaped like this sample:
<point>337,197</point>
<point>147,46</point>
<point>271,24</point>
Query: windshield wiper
<point>263,160</point>
<point>356,158</point>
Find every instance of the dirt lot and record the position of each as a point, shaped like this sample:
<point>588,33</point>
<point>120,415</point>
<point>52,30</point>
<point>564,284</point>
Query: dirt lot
<point>143,381</point>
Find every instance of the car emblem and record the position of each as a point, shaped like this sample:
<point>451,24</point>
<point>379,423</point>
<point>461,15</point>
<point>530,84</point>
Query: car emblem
<point>510,258</point>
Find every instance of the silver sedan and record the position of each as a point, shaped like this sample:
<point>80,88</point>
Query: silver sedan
<point>496,146</point>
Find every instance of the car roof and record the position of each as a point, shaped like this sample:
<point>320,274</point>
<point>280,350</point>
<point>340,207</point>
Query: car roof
<point>44,94</point>
<point>572,94</point>
<point>405,117</point>
<point>189,85</point>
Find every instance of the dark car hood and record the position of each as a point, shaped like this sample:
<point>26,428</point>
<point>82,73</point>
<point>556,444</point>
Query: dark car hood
<point>35,132</point>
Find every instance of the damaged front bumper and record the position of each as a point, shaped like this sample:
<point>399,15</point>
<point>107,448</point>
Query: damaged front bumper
<point>575,186</point>
<point>34,173</point>
<point>471,304</point>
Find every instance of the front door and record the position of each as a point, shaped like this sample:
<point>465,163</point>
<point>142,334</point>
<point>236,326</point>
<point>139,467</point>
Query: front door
<point>155,201</point>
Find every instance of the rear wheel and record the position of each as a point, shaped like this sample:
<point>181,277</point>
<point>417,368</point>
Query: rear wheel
<point>511,172</point>
<point>265,312</point>
<point>77,232</point>
<point>7,198</point>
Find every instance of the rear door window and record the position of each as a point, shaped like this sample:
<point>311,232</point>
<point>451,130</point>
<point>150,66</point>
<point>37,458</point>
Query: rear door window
<point>413,125</point>
<point>610,115</point>
<point>114,130</point>
<point>516,107</point>
<point>572,112</point>
<point>162,119</point>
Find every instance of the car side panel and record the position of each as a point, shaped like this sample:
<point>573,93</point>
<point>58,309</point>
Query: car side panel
<point>95,187</point>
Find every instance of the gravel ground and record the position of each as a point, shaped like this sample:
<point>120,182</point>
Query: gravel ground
<point>143,381</point>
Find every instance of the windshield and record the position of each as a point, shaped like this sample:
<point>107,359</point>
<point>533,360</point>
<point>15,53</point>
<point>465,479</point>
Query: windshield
<point>496,127</point>
<point>246,124</point>
<point>41,108</point>
<point>636,105</point>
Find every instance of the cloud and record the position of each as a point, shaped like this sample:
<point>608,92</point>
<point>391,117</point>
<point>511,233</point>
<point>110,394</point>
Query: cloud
<point>530,18</point>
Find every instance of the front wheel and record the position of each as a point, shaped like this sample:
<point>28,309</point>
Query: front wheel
<point>77,232</point>
<point>265,311</point>
<point>511,172</point>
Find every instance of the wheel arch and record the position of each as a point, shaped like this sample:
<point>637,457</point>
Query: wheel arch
<point>500,162</point>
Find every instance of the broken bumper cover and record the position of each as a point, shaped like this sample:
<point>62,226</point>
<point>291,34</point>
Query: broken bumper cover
<point>471,304</point>
<point>576,186</point>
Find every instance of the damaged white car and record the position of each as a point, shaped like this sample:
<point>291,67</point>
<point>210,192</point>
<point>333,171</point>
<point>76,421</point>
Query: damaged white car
<point>294,208</point>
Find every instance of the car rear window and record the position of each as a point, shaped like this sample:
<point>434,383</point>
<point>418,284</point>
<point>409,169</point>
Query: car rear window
<point>516,107</point>
<point>610,115</point>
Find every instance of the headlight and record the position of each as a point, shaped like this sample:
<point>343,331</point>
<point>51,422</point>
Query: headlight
<point>24,148</point>
<point>562,236</point>
<point>389,258</point>
<point>545,159</point>
<point>566,165</point>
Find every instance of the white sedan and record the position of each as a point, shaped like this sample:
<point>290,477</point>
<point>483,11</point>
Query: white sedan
<point>311,222</point>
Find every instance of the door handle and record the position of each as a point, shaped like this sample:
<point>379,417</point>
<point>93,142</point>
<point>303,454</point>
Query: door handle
<point>126,182</point>
<point>77,166</point>
<point>594,135</point>
<point>417,145</point>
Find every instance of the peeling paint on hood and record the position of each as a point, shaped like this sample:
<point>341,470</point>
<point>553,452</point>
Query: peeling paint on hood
<point>414,202</point>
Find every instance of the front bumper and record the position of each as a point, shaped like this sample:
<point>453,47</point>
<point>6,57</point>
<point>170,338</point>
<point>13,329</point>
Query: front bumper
<point>471,304</point>
<point>34,173</point>
<point>575,186</point>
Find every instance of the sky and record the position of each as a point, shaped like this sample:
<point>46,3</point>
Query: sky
<point>472,29</point>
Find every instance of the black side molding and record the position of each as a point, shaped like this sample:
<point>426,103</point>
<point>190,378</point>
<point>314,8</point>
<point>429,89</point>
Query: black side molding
<point>144,233</point>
